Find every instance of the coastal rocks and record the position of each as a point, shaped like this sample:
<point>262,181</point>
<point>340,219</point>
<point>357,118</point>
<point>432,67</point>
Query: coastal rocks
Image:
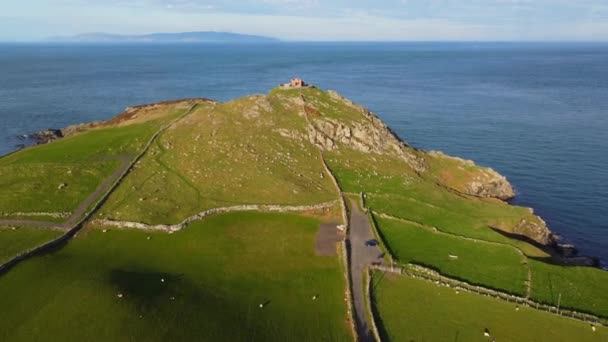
<point>481,181</point>
<point>496,186</point>
<point>535,229</point>
<point>46,136</point>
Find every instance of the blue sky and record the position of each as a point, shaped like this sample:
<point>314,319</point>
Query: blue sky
<point>447,20</point>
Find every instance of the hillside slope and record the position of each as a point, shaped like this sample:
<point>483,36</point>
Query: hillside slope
<point>265,149</point>
<point>198,214</point>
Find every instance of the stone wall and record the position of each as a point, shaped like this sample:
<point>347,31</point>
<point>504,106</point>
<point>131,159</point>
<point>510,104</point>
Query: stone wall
<point>214,211</point>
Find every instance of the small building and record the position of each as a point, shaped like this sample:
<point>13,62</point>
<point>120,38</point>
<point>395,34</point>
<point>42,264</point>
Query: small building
<point>295,83</point>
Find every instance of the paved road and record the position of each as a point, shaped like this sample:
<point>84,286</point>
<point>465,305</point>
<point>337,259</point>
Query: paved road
<point>83,206</point>
<point>360,257</point>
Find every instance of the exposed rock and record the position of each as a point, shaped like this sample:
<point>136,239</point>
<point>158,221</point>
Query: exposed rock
<point>46,136</point>
<point>567,250</point>
<point>369,136</point>
<point>537,231</point>
<point>486,183</point>
<point>496,187</point>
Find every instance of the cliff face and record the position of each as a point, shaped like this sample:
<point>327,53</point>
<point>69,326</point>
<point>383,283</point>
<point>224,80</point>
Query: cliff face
<point>368,135</point>
<point>536,229</point>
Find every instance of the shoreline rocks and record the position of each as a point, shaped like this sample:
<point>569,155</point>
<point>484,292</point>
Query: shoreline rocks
<point>46,136</point>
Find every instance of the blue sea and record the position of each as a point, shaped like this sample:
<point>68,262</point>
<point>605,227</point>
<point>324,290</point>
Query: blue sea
<point>537,113</point>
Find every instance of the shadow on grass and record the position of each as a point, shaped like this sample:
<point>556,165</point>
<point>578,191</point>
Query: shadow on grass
<point>145,286</point>
<point>175,308</point>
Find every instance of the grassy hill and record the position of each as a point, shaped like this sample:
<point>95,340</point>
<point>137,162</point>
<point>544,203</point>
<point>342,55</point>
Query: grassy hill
<point>164,164</point>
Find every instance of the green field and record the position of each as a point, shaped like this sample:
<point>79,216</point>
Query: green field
<point>496,266</point>
<point>581,288</point>
<point>19,240</point>
<point>56,177</point>
<point>392,189</point>
<point>416,310</point>
<point>217,272</point>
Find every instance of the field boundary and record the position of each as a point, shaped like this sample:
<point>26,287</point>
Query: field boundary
<point>214,211</point>
<point>71,232</point>
<point>524,258</point>
<point>432,276</point>
<point>370,310</point>
<point>344,245</point>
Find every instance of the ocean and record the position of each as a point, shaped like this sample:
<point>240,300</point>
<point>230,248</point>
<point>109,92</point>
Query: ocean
<point>535,112</point>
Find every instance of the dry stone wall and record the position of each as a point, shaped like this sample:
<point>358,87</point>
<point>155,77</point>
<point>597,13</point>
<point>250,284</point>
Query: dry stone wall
<point>215,211</point>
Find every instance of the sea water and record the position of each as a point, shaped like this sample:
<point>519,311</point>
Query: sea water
<point>536,112</point>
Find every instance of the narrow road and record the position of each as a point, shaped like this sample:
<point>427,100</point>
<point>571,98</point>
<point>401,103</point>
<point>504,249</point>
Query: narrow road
<point>360,257</point>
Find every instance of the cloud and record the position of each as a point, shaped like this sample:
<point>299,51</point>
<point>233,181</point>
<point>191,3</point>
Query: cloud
<point>321,20</point>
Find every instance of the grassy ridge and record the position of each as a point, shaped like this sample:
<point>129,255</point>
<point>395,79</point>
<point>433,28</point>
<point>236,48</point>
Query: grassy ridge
<point>216,274</point>
<point>415,310</point>
<point>248,151</point>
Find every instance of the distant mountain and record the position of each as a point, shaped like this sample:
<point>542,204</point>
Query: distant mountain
<point>184,37</point>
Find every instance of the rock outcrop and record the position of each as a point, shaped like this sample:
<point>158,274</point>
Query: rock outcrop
<point>494,185</point>
<point>46,136</point>
<point>370,135</point>
<point>535,229</point>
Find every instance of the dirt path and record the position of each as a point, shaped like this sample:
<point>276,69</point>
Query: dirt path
<point>103,190</point>
<point>88,207</point>
<point>361,256</point>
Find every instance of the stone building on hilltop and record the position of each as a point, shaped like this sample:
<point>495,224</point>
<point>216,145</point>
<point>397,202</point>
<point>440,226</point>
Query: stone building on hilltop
<point>295,83</point>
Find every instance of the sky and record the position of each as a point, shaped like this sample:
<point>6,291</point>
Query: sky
<point>315,20</point>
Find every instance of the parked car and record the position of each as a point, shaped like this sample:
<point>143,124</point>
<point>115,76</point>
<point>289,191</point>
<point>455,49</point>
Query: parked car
<point>371,243</point>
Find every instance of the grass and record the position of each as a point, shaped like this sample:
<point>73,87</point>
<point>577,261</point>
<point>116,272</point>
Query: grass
<point>248,151</point>
<point>415,310</point>
<point>56,177</point>
<point>494,266</point>
<point>581,288</point>
<point>14,242</point>
<point>392,188</point>
<point>36,187</point>
<point>216,273</point>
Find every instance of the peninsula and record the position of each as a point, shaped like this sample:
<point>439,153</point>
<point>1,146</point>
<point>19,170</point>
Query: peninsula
<point>181,37</point>
<point>292,215</point>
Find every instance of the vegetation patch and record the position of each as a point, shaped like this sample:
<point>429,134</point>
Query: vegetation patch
<point>14,241</point>
<point>56,177</point>
<point>416,310</point>
<point>495,266</point>
<point>232,277</point>
<point>580,288</point>
<point>248,151</point>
